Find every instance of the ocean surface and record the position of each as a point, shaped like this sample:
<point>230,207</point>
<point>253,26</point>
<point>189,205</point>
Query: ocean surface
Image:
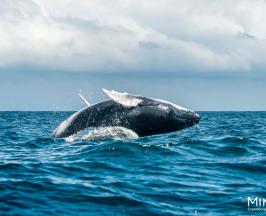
<point>209,169</point>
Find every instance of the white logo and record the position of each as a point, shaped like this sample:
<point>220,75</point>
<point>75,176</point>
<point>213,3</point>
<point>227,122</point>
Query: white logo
<point>256,204</point>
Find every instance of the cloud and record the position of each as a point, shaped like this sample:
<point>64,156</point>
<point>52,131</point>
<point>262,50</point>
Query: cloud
<point>148,45</point>
<point>169,36</point>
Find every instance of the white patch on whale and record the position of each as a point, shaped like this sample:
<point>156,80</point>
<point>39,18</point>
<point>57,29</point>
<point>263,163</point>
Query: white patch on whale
<point>163,107</point>
<point>174,105</point>
<point>123,98</point>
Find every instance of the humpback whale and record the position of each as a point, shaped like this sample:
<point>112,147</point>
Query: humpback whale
<point>145,116</point>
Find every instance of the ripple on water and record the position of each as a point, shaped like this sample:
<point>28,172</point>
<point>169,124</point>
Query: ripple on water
<point>209,169</point>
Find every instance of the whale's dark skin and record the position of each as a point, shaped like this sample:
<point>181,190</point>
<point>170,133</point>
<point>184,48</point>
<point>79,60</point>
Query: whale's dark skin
<point>147,118</point>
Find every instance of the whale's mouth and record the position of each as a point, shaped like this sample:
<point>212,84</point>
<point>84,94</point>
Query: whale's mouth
<point>104,133</point>
<point>195,119</point>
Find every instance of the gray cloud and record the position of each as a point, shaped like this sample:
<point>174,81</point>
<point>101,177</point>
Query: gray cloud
<point>245,35</point>
<point>127,36</point>
<point>148,45</point>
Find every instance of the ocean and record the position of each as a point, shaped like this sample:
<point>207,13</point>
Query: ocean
<point>209,169</point>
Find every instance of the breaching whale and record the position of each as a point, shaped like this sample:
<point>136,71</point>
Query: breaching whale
<point>145,116</point>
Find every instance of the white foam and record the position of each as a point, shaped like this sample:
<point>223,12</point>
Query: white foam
<point>116,133</point>
<point>103,133</point>
<point>71,138</point>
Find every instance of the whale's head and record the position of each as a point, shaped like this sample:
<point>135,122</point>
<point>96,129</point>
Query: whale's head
<point>155,116</point>
<point>186,117</point>
<point>177,116</point>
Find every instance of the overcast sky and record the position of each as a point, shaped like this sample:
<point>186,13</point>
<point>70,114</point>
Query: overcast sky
<point>201,54</point>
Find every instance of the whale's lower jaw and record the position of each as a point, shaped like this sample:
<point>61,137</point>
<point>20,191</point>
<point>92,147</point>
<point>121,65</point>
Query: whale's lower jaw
<point>151,132</point>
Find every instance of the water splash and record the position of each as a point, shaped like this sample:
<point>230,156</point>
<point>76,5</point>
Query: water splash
<point>104,133</point>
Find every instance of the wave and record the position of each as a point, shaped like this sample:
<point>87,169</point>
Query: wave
<point>110,171</point>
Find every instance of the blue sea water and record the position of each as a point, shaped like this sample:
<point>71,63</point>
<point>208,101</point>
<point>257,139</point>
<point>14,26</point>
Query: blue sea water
<point>210,169</point>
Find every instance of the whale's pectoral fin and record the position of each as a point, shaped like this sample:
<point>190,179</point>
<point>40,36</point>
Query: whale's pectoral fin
<point>84,100</point>
<point>124,98</point>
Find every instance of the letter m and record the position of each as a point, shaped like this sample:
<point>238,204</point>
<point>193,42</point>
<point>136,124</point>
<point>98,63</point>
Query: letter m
<point>252,202</point>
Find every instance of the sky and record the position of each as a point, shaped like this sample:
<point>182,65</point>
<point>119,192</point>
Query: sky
<point>200,54</point>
